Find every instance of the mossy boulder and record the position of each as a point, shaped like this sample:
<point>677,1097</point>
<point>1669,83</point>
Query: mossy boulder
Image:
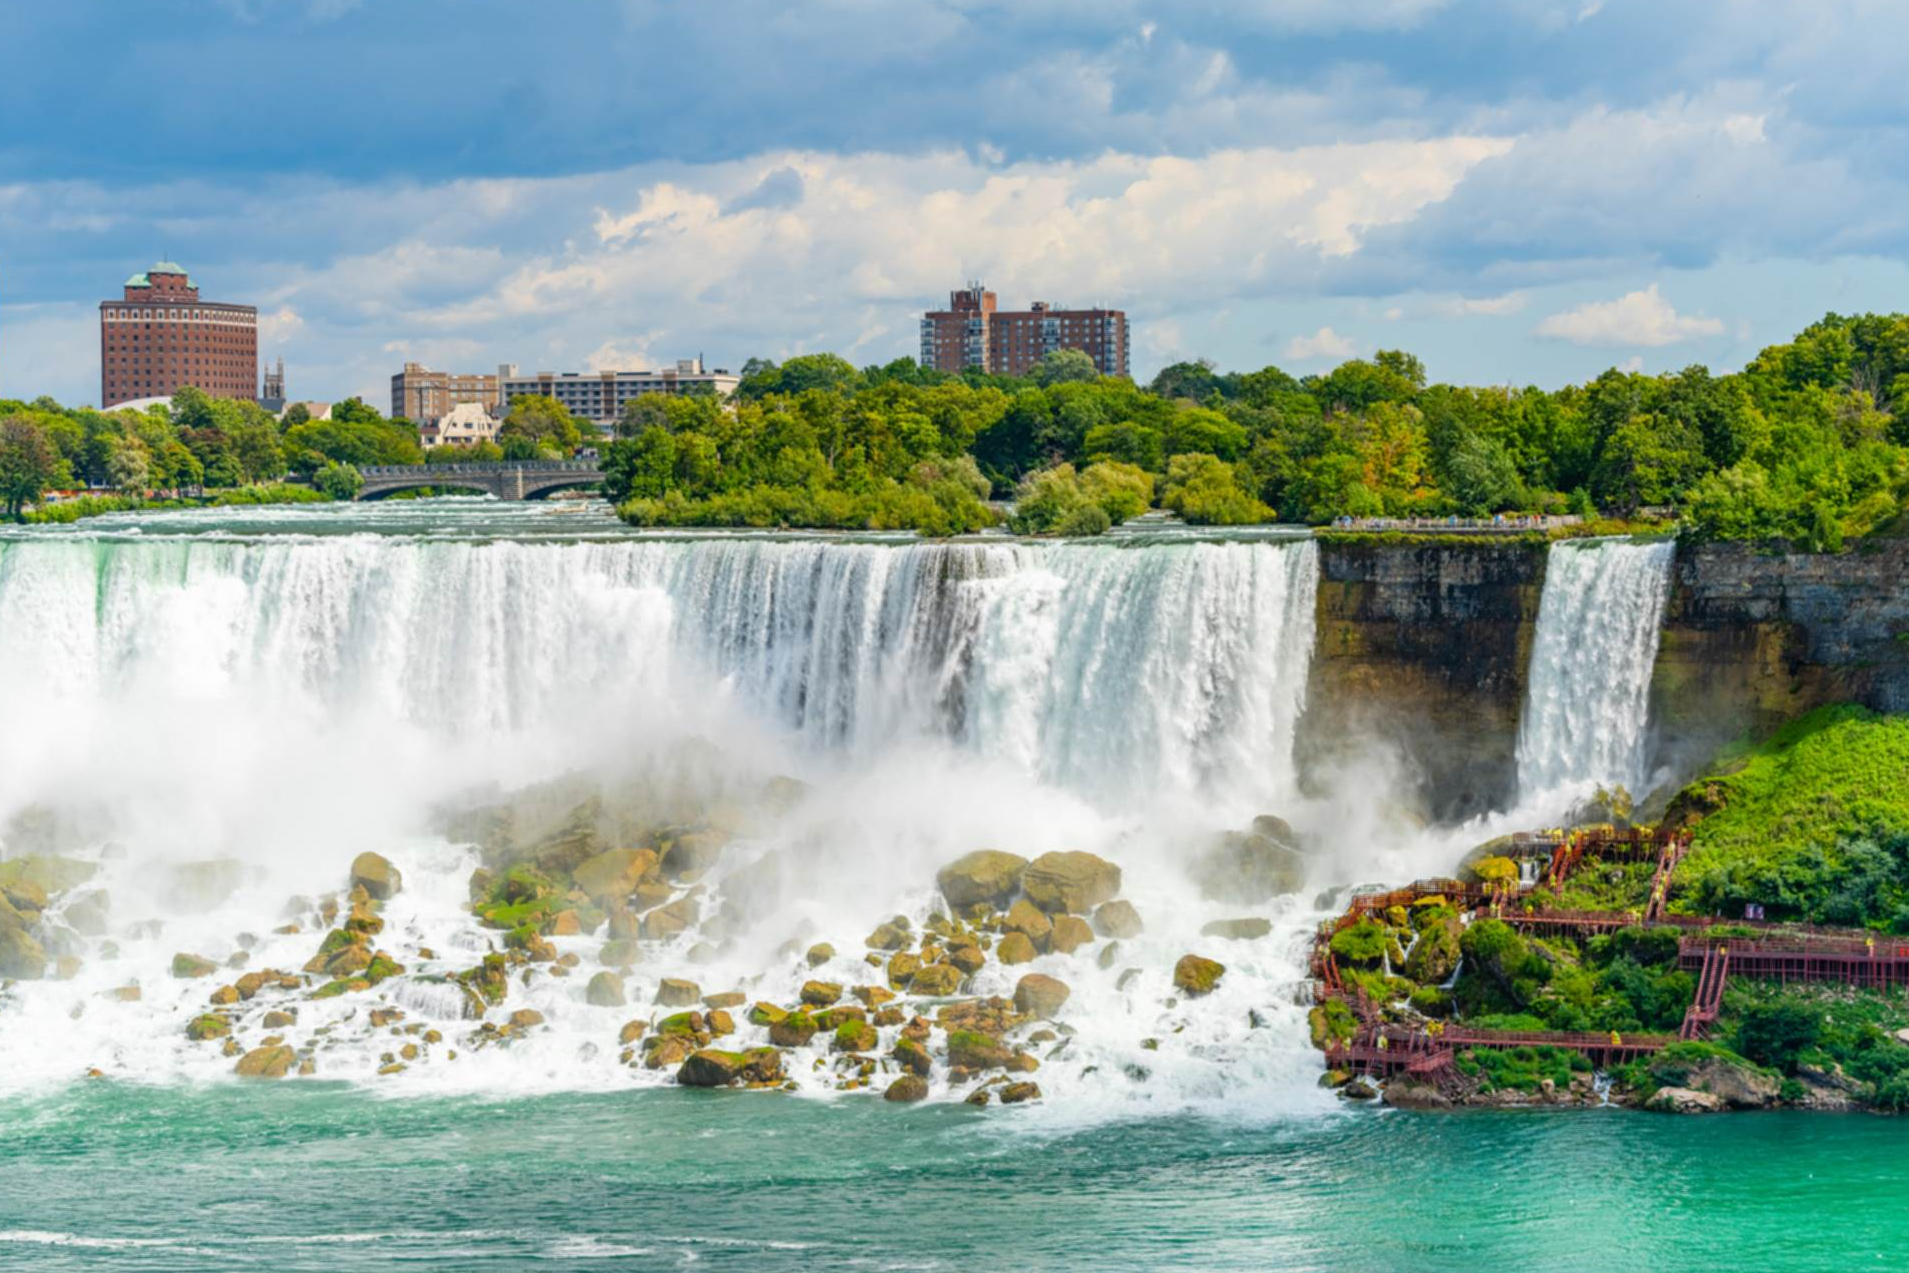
<point>973,1050</point>
<point>1197,976</point>
<point>913,1057</point>
<point>1117,919</point>
<point>1072,883</point>
<point>820,994</point>
<point>1018,1093</point>
<point>273,1062</point>
<point>766,1014</point>
<point>1015,948</point>
<point>1435,955</point>
<point>206,1026</point>
<point>855,1036</point>
<point>969,959</point>
<point>902,968</point>
<point>794,1030</point>
<point>907,1089</point>
<point>187,966</point>
<point>1040,996</point>
<point>605,991</point>
<point>986,877</point>
<point>819,954</point>
<point>22,958</point>
<point>709,1067</point>
<point>374,873</point>
<point>936,979</point>
<point>613,875</point>
<point>893,935</point>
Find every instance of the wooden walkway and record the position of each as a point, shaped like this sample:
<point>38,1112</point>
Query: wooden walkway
<point>1781,952</point>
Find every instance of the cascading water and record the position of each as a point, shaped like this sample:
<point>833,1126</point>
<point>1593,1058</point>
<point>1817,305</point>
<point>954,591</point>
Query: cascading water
<point>286,701</point>
<point>1587,691</point>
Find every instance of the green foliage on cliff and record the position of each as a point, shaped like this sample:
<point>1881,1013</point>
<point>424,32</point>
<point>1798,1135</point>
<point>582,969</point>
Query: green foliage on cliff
<point>1812,824</point>
<point>1626,981</point>
<point>1521,1069</point>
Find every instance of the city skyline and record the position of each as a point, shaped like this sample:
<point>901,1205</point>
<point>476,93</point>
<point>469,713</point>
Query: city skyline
<point>1293,185</point>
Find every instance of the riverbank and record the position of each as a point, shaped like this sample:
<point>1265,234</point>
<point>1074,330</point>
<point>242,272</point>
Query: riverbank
<point>79,507</point>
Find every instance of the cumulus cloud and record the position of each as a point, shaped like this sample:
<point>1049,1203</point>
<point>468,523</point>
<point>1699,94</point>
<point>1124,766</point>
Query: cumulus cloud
<point>1324,343</point>
<point>1465,306</point>
<point>1637,318</point>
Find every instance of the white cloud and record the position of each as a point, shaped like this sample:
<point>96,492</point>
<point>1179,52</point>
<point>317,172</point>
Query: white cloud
<point>628,354</point>
<point>1465,306</point>
<point>1324,343</point>
<point>1637,318</point>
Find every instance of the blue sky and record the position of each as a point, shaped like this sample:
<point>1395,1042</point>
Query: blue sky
<point>1519,191</point>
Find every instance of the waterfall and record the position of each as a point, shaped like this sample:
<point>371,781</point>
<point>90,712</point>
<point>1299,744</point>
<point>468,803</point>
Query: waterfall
<point>1587,691</point>
<point>169,668</point>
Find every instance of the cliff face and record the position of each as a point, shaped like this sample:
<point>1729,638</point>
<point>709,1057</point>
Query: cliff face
<point>1420,659</point>
<point>1422,650</point>
<point>1752,639</point>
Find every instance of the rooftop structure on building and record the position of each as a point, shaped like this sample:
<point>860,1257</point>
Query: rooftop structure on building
<point>160,336</point>
<point>424,396</point>
<point>974,332</point>
<point>272,392</point>
<point>465,424</point>
<point>599,396</point>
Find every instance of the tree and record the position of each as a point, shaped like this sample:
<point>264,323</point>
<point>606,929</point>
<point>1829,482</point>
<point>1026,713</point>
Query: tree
<point>1205,490</point>
<point>1194,381</point>
<point>339,481</point>
<point>542,422</point>
<point>29,464</point>
<point>129,467</point>
<point>297,413</point>
<point>645,411</point>
<point>1063,366</point>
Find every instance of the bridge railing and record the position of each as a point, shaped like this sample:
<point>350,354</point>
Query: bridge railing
<point>485,469</point>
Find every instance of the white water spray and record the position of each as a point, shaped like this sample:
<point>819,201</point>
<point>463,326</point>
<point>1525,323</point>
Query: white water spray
<point>1587,691</point>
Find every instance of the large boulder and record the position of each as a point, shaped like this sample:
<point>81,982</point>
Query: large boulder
<point>985,877</point>
<point>274,1062</point>
<point>666,922</point>
<point>1117,919</point>
<point>711,1068</point>
<point>907,1089</point>
<point>1197,976</point>
<point>674,992</point>
<point>1070,934</point>
<point>936,979</point>
<point>1683,1100</point>
<point>1029,919</point>
<point>1738,1086</point>
<point>693,851</point>
<point>1015,948</point>
<point>187,966</point>
<point>1040,996</point>
<point>374,873</point>
<point>1248,868</point>
<point>614,874</point>
<point>1073,883</point>
<point>605,991</point>
<point>21,957</point>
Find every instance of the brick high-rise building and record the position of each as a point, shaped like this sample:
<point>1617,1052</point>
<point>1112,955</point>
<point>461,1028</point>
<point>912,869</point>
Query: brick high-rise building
<point>423,396</point>
<point>160,337</point>
<point>974,332</point>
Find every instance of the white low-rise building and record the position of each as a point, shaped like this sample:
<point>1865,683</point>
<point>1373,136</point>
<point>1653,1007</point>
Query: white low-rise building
<point>465,424</point>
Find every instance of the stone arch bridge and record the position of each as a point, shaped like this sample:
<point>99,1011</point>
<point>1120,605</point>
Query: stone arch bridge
<point>508,480</point>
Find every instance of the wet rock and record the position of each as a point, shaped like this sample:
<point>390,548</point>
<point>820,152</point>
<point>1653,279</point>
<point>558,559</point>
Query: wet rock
<point>711,1068</point>
<point>890,936</point>
<point>693,851</point>
<point>280,1019</point>
<point>854,1036</point>
<point>1248,869</point>
<point>613,875</point>
<point>936,979</point>
<point>22,958</point>
<point>1197,976</point>
<point>719,1022</point>
<point>727,999</point>
<point>207,1026</point>
<point>1029,920</point>
<point>907,1089</point>
<point>974,1050</point>
<point>631,1032</point>
<point>620,954</point>
<point>819,954</point>
<point>126,994</point>
<point>225,996</point>
<point>1683,1100</point>
<point>266,1063</point>
<point>1109,955</point>
<point>986,877</point>
<point>1017,1093</point>
<point>1070,934</point>
<point>765,1014</point>
<point>1073,882</point>
<point>902,969</point>
<point>185,966</point>
<point>87,915</point>
<point>605,991</point>
<point>674,992</point>
<point>794,1030</point>
<point>661,1051</point>
<point>1735,1085</point>
<point>969,959</point>
<point>1117,919</point>
<point>820,994</point>
<point>873,996</point>
<point>1238,929</point>
<point>1040,996</point>
<point>1358,1090</point>
<point>376,876</point>
<point>913,1057</point>
<point>525,1019</point>
<point>1128,976</point>
<point>566,923</point>
<point>668,921</point>
<point>1015,948</point>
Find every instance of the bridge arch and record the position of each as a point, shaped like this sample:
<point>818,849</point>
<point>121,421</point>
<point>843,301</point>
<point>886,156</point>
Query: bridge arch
<point>507,480</point>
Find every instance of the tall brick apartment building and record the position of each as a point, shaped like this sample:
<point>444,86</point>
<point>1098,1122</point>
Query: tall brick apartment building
<point>973,332</point>
<point>161,337</point>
